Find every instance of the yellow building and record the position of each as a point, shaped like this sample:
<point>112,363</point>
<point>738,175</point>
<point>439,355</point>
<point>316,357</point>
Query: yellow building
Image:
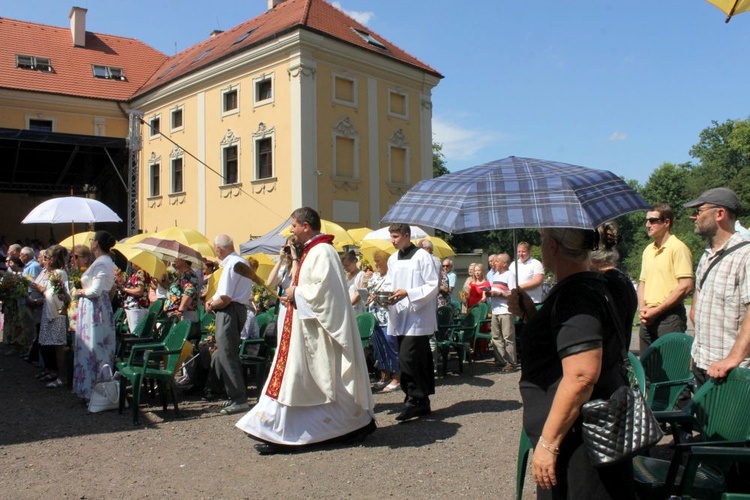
<point>300,106</point>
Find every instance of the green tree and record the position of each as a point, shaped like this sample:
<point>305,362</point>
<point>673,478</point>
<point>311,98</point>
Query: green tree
<point>438,160</point>
<point>724,153</point>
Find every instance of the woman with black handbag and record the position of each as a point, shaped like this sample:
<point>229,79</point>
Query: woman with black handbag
<point>573,356</point>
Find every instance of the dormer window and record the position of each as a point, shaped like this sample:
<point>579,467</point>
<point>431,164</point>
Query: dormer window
<point>370,39</point>
<point>108,72</point>
<point>33,62</point>
<point>203,55</point>
<point>244,36</point>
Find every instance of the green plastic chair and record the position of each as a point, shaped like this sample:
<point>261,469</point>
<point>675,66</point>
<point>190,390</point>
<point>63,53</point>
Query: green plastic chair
<point>159,363</point>
<point>484,309</point>
<point>719,411</point>
<point>524,447</point>
<point>260,362</point>
<point>636,375</point>
<point>460,337</point>
<point>366,325</point>
<point>666,364</point>
<point>142,333</point>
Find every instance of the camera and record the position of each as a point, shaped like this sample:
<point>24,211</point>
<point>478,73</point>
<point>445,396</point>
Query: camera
<point>287,249</point>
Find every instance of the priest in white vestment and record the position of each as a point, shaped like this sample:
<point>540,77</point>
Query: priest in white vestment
<point>318,389</point>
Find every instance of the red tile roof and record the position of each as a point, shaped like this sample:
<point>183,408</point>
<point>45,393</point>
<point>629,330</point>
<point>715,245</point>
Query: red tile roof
<point>72,65</point>
<point>313,15</point>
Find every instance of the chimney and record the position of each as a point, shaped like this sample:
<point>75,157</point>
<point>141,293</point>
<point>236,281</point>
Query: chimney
<point>78,26</point>
<point>274,3</point>
<point>216,32</point>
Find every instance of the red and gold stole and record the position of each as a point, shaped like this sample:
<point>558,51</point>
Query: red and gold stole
<point>277,375</point>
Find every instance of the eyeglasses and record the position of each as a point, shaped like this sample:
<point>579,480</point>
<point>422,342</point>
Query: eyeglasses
<point>654,220</point>
<point>446,265</point>
<point>77,256</point>
<point>702,209</point>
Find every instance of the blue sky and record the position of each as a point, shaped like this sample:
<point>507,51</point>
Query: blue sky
<point>617,85</point>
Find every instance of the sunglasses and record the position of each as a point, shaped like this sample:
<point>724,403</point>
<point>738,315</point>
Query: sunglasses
<point>654,220</point>
<point>700,210</point>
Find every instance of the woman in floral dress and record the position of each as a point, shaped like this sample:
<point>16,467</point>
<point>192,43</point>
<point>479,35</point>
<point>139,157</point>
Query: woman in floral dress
<point>135,296</point>
<point>182,297</point>
<point>53,329</point>
<point>95,334</point>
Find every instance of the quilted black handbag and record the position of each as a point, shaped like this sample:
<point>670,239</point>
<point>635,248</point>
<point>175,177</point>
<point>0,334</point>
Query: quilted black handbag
<point>618,428</point>
<point>622,426</point>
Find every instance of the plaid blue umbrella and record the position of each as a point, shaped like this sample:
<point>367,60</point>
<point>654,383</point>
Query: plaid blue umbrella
<point>517,193</point>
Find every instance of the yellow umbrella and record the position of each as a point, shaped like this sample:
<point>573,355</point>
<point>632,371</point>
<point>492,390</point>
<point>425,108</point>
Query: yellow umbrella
<point>263,271</point>
<point>340,237</point>
<point>731,7</point>
<point>149,262</point>
<point>189,237</point>
<point>440,248</point>
<point>83,238</point>
<point>358,233</point>
<point>265,264</point>
<point>370,247</point>
<point>132,240</point>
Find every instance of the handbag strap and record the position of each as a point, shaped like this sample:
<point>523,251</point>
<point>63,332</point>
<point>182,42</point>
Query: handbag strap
<point>720,255</point>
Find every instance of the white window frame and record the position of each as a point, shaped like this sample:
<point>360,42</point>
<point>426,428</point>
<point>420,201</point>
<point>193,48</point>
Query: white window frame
<point>261,134</point>
<point>230,140</point>
<point>393,114</point>
<point>154,161</point>
<point>43,64</point>
<point>345,129</point>
<point>109,72</point>
<point>176,154</point>
<point>354,102</point>
<point>257,81</point>
<point>224,92</point>
<point>151,135</point>
<point>51,119</point>
<point>179,108</point>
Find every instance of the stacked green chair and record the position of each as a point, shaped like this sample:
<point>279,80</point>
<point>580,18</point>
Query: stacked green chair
<point>484,311</point>
<point>159,362</point>
<point>719,410</point>
<point>142,333</point>
<point>260,362</point>
<point>366,325</point>
<point>460,337</point>
<point>666,364</point>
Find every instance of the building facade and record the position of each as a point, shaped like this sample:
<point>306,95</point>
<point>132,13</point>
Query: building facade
<point>300,106</point>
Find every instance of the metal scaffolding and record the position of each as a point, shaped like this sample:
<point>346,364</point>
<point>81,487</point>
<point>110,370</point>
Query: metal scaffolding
<point>134,148</point>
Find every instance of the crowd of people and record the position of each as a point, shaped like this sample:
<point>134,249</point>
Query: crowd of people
<point>574,342</point>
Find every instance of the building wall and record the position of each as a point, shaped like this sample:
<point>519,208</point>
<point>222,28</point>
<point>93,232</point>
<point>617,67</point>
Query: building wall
<point>207,203</point>
<point>333,145</point>
<point>69,115</point>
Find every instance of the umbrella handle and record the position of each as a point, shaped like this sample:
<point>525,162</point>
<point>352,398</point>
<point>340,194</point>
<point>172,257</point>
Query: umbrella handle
<point>247,272</point>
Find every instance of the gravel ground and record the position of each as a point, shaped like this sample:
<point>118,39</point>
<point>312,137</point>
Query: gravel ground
<point>52,447</point>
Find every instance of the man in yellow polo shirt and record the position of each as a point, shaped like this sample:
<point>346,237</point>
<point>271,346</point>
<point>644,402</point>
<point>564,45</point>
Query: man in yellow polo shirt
<point>666,279</point>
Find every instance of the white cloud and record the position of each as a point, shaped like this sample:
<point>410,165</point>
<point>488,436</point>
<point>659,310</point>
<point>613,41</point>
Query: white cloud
<point>618,136</point>
<point>359,16</point>
<point>461,143</point>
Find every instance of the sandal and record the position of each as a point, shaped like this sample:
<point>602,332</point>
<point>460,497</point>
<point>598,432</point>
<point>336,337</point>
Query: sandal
<point>391,388</point>
<point>55,384</point>
<point>41,374</point>
<point>49,377</point>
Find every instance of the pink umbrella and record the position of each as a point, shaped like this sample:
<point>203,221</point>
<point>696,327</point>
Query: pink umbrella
<point>170,250</point>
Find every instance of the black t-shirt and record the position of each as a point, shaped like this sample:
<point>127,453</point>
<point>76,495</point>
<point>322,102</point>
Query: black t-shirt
<point>625,299</point>
<point>574,318</point>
